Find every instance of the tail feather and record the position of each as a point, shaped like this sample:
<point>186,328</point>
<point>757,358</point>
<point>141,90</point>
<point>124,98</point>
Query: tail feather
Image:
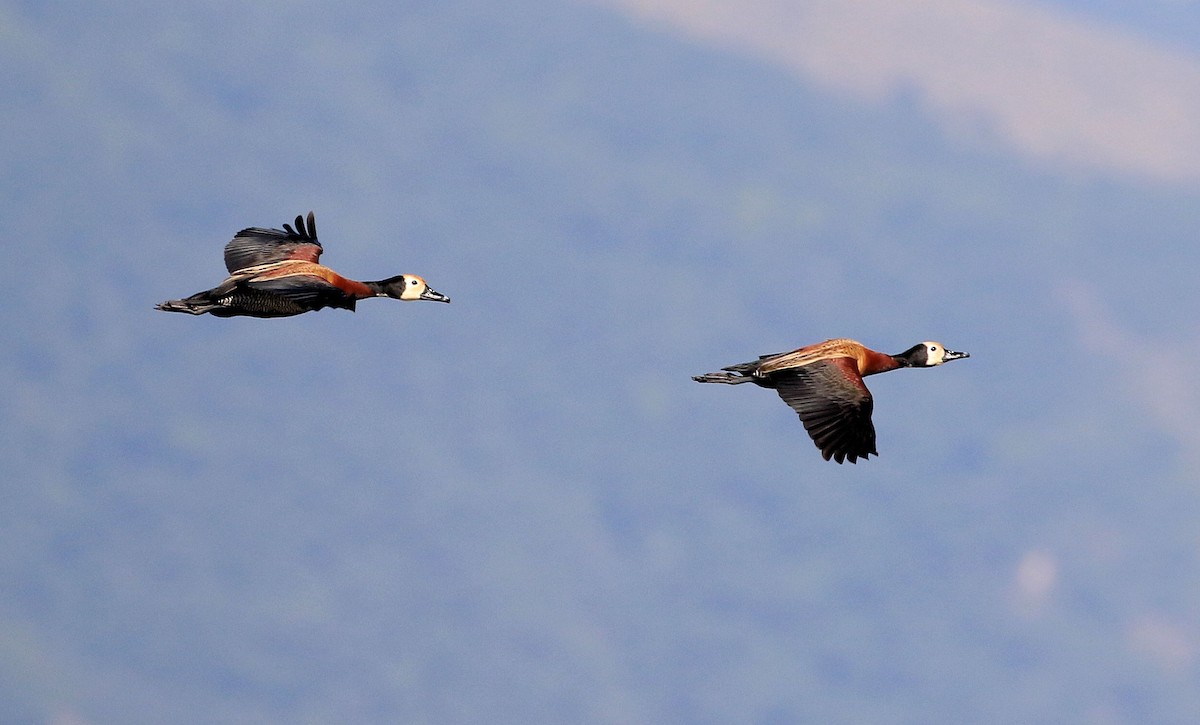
<point>191,305</point>
<point>728,378</point>
<point>746,368</point>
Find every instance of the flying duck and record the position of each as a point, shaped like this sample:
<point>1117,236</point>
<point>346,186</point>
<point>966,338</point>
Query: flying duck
<point>275,273</point>
<point>823,383</point>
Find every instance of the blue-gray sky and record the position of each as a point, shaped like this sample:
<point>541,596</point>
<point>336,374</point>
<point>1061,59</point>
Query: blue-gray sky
<point>518,507</point>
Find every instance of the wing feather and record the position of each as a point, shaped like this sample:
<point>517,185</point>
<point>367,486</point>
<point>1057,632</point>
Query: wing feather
<point>305,290</point>
<point>256,245</point>
<point>833,404</point>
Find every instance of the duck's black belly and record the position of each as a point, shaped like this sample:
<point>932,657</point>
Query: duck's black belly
<point>249,302</point>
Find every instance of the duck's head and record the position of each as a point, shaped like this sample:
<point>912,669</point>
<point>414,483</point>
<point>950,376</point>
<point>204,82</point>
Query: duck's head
<point>409,287</point>
<point>928,354</point>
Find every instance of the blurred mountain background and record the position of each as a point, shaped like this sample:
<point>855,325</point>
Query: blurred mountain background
<point>518,507</point>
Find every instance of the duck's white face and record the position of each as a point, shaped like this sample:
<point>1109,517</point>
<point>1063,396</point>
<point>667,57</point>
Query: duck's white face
<point>414,287</point>
<point>936,354</point>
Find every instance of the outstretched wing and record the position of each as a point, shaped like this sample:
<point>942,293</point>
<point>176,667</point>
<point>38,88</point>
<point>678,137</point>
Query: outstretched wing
<point>255,246</point>
<point>834,405</point>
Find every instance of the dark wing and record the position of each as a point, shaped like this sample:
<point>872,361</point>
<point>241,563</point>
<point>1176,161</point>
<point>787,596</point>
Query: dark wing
<point>305,290</point>
<point>834,405</point>
<point>256,245</point>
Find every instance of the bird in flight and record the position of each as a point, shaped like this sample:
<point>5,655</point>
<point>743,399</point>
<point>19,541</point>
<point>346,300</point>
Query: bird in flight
<point>823,383</point>
<point>275,273</point>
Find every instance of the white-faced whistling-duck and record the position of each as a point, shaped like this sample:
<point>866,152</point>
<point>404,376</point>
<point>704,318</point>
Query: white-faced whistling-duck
<point>274,273</point>
<point>823,383</point>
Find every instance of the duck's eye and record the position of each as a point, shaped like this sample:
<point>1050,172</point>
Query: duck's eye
<point>933,348</point>
<point>413,282</point>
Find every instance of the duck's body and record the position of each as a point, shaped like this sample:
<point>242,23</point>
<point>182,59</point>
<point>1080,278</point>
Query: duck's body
<point>823,383</point>
<point>275,273</point>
